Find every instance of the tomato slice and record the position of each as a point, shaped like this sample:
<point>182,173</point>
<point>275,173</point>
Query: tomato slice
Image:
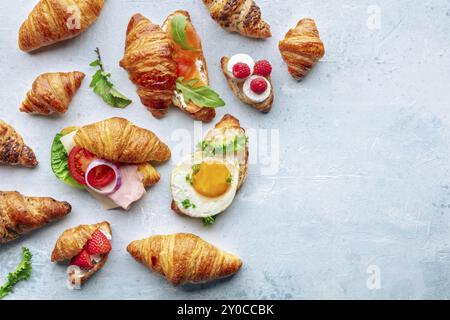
<point>78,162</point>
<point>101,176</point>
<point>184,67</point>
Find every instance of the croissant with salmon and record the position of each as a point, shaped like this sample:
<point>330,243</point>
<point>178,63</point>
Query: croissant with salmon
<point>241,16</point>
<point>87,247</point>
<point>13,151</point>
<point>110,159</point>
<point>184,258</point>
<point>302,48</point>
<point>53,21</point>
<point>20,214</point>
<point>52,93</point>
<point>168,67</point>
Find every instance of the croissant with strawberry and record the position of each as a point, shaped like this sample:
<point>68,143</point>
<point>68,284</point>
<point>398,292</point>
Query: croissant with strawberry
<point>87,247</point>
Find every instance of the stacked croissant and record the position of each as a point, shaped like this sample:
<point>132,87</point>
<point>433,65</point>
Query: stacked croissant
<point>115,160</point>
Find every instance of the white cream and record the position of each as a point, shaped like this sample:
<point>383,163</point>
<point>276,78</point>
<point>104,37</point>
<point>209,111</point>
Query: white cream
<point>180,99</point>
<point>240,58</point>
<point>75,274</point>
<point>253,96</point>
<point>201,69</point>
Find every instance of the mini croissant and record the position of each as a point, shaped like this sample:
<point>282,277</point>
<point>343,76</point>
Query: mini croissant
<point>13,150</point>
<point>119,140</point>
<point>20,214</point>
<point>72,242</point>
<point>184,258</point>
<point>241,16</point>
<point>148,60</point>
<point>53,21</point>
<point>52,93</point>
<point>302,48</point>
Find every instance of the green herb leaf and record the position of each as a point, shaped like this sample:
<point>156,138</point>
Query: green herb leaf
<point>104,87</point>
<point>230,178</point>
<point>201,96</point>
<point>179,31</point>
<point>22,272</point>
<point>59,163</point>
<point>196,168</point>
<point>186,203</point>
<point>209,221</point>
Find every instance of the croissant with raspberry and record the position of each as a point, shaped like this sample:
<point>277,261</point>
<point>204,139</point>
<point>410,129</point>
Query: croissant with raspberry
<point>302,48</point>
<point>53,21</point>
<point>184,258</point>
<point>52,93</point>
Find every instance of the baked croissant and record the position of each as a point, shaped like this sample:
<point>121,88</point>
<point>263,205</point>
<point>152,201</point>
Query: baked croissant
<point>20,214</point>
<point>237,88</point>
<point>52,92</point>
<point>184,258</point>
<point>72,242</point>
<point>119,140</point>
<point>53,21</point>
<point>13,150</point>
<point>302,48</point>
<point>148,60</point>
<point>241,16</point>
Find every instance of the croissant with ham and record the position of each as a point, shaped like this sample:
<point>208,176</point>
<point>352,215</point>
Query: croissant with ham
<point>13,150</point>
<point>302,48</point>
<point>161,65</point>
<point>184,258</point>
<point>117,153</point>
<point>241,16</point>
<point>53,21</point>
<point>87,247</point>
<point>20,214</point>
<point>52,93</point>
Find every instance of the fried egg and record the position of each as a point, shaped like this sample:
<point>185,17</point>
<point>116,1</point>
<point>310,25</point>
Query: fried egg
<point>204,186</point>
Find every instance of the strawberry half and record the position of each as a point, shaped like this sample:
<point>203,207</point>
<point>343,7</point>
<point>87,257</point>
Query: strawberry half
<point>82,260</point>
<point>98,244</point>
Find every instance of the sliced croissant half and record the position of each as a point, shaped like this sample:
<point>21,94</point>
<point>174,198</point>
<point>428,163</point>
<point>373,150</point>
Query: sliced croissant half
<point>72,242</point>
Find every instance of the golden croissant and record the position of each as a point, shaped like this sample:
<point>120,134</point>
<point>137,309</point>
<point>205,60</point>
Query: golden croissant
<point>148,60</point>
<point>73,241</point>
<point>13,150</point>
<point>241,16</point>
<point>20,214</point>
<point>154,61</point>
<point>119,140</point>
<point>184,258</point>
<point>302,48</point>
<point>53,21</point>
<point>52,93</point>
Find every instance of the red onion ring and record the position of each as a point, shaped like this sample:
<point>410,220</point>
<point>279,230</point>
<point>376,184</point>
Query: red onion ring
<point>112,187</point>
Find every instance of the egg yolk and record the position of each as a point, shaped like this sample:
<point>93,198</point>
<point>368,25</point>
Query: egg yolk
<point>212,179</point>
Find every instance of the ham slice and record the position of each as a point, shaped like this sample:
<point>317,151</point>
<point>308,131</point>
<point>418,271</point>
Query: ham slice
<point>132,188</point>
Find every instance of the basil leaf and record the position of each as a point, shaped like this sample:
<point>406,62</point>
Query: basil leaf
<point>202,96</point>
<point>178,24</point>
<point>59,163</point>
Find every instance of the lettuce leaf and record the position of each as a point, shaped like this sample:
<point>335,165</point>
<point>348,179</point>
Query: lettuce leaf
<point>59,163</point>
<point>22,273</point>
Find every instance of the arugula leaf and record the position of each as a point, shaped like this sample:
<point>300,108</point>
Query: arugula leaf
<point>178,24</point>
<point>209,221</point>
<point>22,272</point>
<point>104,87</point>
<point>59,163</point>
<point>201,96</point>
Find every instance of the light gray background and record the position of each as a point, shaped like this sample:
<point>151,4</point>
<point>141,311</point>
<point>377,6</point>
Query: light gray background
<point>364,147</point>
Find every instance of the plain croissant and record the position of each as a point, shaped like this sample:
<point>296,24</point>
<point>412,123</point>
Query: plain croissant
<point>20,214</point>
<point>119,140</point>
<point>53,21</point>
<point>52,93</point>
<point>302,48</point>
<point>72,241</point>
<point>13,150</point>
<point>184,258</point>
<point>148,60</point>
<point>241,16</point>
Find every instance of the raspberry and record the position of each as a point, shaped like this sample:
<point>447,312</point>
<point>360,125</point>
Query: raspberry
<point>241,70</point>
<point>258,85</point>
<point>263,68</point>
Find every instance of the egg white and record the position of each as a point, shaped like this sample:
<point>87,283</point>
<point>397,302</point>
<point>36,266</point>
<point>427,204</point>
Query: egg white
<point>204,206</point>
